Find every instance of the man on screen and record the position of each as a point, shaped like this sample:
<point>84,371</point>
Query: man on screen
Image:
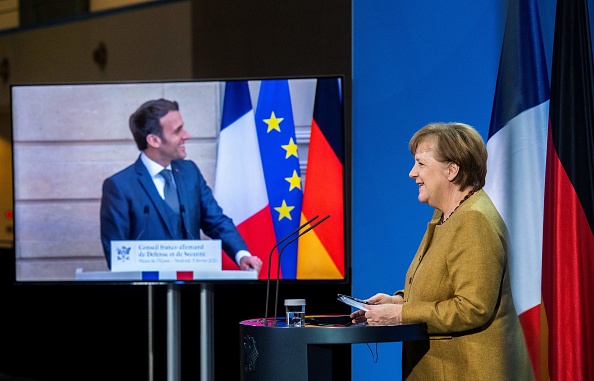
<point>162,196</point>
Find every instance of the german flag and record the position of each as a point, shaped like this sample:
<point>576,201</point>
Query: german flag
<point>321,252</point>
<point>568,239</point>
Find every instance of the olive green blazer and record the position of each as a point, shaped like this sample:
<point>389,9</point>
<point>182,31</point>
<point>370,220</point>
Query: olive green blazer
<point>458,283</point>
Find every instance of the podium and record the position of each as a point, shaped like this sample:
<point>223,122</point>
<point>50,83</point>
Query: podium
<point>309,354</point>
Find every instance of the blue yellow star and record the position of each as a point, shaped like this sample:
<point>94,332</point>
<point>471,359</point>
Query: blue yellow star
<point>284,211</point>
<point>291,149</point>
<point>294,181</point>
<point>273,122</point>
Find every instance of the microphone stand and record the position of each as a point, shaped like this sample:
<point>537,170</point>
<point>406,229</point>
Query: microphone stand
<point>279,256</point>
<point>270,262</point>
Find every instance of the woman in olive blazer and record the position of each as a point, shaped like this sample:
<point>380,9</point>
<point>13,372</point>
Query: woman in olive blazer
<point>458,282</point>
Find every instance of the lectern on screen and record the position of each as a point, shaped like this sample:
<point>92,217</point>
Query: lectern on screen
<point>274,151</point>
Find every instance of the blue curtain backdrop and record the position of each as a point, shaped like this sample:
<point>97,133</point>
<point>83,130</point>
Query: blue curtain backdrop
<point>414,62</point>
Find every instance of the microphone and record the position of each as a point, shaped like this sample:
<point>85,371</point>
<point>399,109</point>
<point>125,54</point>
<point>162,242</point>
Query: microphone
<point>279,261</point>
<point>279,257</point>
<point>270,260</point>
<point>182,211</point>
<point>146,219</point>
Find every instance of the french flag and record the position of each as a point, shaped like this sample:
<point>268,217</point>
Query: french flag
<point>517,158</point>
<point>240,188</point>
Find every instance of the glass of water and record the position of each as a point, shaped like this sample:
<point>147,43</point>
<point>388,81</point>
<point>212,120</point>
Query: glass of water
<point>295,309</point>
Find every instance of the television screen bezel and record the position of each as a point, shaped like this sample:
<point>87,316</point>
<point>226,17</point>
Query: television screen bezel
<point>347,188</point>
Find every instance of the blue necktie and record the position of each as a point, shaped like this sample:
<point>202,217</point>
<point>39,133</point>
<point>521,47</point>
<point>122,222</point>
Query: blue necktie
<point>170,192</point>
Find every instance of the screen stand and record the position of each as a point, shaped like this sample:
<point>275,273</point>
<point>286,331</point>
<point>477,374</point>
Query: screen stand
<point>151,357</point>
<point>173,332</point>
<point>206,332</point>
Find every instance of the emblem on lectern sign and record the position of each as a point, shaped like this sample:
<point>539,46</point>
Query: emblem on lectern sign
<point>123,253</point>
<point>250,353</point>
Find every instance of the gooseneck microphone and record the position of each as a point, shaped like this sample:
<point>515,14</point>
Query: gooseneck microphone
<point>270,262</point>
<point>145,212</point>
<point>279,261</point>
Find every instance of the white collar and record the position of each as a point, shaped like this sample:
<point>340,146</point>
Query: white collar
<point>152,166</point>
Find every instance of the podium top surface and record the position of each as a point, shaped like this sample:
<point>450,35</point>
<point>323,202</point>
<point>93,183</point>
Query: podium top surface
<point>335,329</point>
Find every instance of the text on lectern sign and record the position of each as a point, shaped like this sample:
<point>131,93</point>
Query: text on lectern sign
<point>182,255</point>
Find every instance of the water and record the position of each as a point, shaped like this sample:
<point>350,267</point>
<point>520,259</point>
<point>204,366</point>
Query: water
<point>296,318</point>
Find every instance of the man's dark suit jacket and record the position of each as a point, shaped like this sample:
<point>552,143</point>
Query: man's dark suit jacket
<point>131,208</point>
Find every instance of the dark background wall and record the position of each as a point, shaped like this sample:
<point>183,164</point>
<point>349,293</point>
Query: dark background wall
<point>65,332</point>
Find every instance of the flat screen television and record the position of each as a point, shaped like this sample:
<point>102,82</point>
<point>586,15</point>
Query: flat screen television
<point>69,137</point>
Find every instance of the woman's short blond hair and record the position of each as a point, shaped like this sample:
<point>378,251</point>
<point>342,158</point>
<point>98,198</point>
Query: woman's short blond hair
<point>456,143</point>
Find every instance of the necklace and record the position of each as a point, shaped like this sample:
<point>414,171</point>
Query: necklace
<point>442,220</point>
